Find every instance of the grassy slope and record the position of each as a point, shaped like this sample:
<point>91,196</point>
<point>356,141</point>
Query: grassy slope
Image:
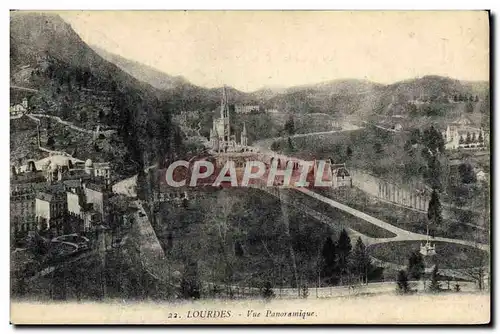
<point>449,256</point>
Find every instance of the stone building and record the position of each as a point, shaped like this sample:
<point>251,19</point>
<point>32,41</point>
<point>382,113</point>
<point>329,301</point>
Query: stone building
<point>246,109</point>
<point>97,195</point>
<point>221,139</point>
<point>22,212</point>
<point>340,176</point>
<point>411,196</point>
<point>19,108</point>
<point>50,209</point>
<point>51,194</point>
<point>462,134</point>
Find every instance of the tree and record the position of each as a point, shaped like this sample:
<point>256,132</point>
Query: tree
<point>478,270</point>
<point>101,115</point>
<point>433,140</point>
<point>416,265</point>
<point>378,148</point>
<point>361,261</point>
<point>469,108</point>
<point>348,152</point>
<point>434,210</point>
<point>305,291</point>
<point>329,255</point>
<point>290,126</point>
<point>290,147</point>
<point>467,174</point>
<point>402,282</point>
<point>177,141</point>
<point>141,185</point>
<point>344,248</point>
<point>267,291</point>
<point>50,142</point>
<point>408,146</point>
<point>461,140</point>
<point>435,285</point>
<point>480,137</point>
<point>170,242</point>
<point>412,109</point>
<point>83,116</point>
<point>65,111</point>
<point>433,172</point>
<point>415,136</point>
<point>190,284</point>
<point>468,139</point>
<point>238,249</point>
<point>473,139</point>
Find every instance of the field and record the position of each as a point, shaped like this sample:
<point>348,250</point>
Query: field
<point>449,256</point>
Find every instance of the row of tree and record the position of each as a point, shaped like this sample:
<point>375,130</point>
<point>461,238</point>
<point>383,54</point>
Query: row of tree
<point>339,262</point>
<point>465,98</point>
<point>416,270</point>
<point>433,146</point>
<point>469,139</point>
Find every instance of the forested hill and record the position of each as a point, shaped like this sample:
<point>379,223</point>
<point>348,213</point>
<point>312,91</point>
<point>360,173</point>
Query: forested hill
<point>78,85</point>
<point>179,93</point>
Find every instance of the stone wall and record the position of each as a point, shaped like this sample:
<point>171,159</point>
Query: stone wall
<point>405,195</point>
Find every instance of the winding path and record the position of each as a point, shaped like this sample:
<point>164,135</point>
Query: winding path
<point>69,124</point>
<point>401,235</point>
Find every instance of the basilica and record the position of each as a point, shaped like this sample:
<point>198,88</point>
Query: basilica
<point>221,139</point>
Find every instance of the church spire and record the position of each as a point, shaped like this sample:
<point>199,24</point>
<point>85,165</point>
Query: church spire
<point>224,108</point>
<point>244,140</point>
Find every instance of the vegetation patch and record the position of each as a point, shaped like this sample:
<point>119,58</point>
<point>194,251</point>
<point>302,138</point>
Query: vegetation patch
<point>241,237</point>
<point>448,255</point>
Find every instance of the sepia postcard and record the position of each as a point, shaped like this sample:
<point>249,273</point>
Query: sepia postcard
<point>250,167</point>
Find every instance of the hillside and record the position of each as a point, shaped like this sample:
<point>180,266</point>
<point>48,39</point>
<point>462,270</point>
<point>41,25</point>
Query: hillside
<point>79,86</point>
<point>356,98</point>
<point>179,93</point>
<point>141,72</point>
<point>429,94</point>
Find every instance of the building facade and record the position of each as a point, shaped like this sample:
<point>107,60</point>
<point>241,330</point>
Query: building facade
<point>461,134</point>
<point>244,109</point>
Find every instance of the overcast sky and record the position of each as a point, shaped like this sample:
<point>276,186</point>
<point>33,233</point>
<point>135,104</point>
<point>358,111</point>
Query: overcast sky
<point>249,50</point>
